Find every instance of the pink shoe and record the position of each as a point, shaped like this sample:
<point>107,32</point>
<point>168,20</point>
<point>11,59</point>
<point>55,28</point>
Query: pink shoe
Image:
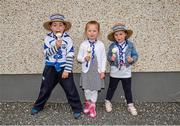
<point>92,110</point>
<point>87,107</point>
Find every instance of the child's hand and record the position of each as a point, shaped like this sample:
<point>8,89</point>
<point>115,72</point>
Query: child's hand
<point>130,59</point>
<point>102,75</point>
<point>113,58</point>
<point>65,75</point>
<point>58,43</point>
<point>87,58</point>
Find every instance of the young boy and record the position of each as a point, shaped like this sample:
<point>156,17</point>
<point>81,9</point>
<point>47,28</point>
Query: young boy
<point>59,53</point>
<point>121,55</point>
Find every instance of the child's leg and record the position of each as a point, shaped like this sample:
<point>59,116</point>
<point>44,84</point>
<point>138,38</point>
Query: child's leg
<point>87,94</point>
<point>49,81</point>
<point>71,93</point>
<point>91,95</point>
<point>92,109</point>
<point>112,87</point>
<point>126,83</point>
<point>94,96</point>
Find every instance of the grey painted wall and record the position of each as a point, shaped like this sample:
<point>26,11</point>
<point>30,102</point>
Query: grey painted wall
<point>150,87</point>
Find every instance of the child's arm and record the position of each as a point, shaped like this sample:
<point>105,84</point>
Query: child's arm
<point>69,56</point>
<point>81,57</point>
<point>109,54</point>
<point>49,49</point>
<point>134,55</point>
<point>103,65</point>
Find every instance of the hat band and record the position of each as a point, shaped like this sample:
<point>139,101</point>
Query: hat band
<point>115,28</point>
<point>57,17</point>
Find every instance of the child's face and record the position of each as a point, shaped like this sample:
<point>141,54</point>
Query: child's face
<point>120,36</point>
<point>57,27</point>
<point>92,31</point>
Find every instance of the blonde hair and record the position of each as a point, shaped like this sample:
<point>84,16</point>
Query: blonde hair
<point>92,22</point>
<point>95,23</point>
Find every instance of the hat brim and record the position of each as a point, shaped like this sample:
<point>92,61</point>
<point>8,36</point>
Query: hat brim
<point>46,25</point>
<point>111,35</point>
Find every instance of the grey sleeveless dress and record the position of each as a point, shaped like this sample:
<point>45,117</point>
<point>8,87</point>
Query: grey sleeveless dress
<point>91,80</point>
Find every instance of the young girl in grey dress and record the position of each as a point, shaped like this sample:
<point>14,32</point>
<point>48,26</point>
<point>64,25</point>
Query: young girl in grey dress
<point>92,57</point>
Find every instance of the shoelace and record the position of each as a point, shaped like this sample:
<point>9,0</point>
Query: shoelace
<point>132,108</point>
<point>108,104</point>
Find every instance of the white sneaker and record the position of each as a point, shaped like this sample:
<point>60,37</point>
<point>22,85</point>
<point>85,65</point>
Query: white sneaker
<point>108,106</point>
<point>132,109</point>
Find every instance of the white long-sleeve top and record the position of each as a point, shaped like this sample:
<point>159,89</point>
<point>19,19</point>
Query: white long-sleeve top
<point>99,52</point>
<point>62,57</point>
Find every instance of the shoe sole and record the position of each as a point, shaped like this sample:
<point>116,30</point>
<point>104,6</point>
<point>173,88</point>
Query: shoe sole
<point>132,114</point>
<point>34,113</point>
<point>108,111</point>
